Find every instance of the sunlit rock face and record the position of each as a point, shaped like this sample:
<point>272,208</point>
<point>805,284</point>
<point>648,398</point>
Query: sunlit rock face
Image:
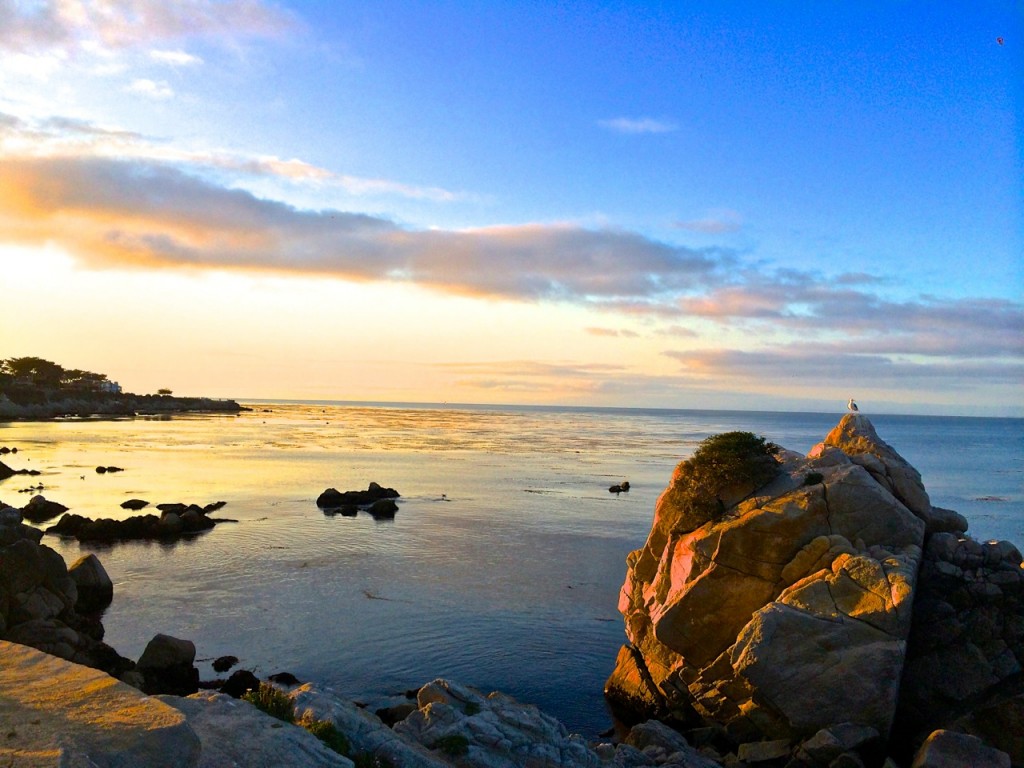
<point>790,611</point>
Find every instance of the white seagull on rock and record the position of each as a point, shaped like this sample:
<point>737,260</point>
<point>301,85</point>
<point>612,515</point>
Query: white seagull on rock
<point>852,405</point>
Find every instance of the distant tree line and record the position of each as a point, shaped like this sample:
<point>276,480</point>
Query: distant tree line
<point>37,372</point>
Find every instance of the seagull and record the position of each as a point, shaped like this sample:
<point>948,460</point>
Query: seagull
<point>852,405</point>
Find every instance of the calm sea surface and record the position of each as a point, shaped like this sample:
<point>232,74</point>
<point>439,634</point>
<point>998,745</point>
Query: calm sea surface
<point>502,566</point>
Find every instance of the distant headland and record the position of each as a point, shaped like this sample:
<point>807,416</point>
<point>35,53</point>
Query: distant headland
<point>34,388</point>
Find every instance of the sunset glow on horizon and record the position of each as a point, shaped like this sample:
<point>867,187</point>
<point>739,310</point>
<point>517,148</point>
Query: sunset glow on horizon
<point>714,205</point>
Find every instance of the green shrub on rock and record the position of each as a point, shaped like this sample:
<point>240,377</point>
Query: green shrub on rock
<point>276,703</point>
<point>273,701</point>
<point>724,469</point>
<point>328,734</point>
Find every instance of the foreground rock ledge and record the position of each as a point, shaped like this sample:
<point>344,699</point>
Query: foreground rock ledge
<point>55,713</point>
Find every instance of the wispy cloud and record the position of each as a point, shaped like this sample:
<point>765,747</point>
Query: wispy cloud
<point>624,333</point>
<point>637,125</point>
<point>933,326</point>
<point>73,25</point>
<point>537,378</point>
<point>176,58</point>
<point>822,368</point>
<point>715,223</point>
<point>677,331</point>
<point>72,138</point>
<point>150,89</point>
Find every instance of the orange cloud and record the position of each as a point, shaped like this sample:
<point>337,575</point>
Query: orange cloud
<point>138,213</point>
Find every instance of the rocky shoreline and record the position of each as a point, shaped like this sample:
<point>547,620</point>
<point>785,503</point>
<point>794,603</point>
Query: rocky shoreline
<point>101,404</point>
<point>786,612</point>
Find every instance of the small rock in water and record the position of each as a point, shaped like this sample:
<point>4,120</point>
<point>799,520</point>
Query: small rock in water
<point>224,663</point>
<point>284,678</point>
<point>134,504</point>
<point>39,509</point>
<point>240,683</point>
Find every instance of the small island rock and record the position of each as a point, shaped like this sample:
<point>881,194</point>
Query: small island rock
<point>39,509</point>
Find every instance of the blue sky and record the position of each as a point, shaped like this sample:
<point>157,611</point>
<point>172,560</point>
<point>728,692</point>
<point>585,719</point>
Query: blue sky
<point>679,204</point>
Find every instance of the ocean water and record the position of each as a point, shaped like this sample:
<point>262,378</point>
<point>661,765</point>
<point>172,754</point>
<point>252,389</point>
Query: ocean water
<point>502,567</point>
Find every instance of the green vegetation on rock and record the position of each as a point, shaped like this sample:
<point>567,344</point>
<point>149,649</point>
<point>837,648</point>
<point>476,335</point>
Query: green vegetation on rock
<point>273,701</point>
<point>276,703</point>
<point>328,734</point>
<point>724,469</point>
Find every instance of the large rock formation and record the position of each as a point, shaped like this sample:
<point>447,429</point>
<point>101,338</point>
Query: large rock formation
<point>785,615</point>
<point>796,590</point>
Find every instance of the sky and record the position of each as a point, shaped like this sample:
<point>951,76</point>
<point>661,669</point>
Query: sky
<point>760,206</point>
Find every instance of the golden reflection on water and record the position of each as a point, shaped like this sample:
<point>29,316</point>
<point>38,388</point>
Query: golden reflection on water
<point>501,568</point>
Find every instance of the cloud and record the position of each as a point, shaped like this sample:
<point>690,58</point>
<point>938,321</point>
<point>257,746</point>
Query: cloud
<point>150,88</point>
<point>615,332</point>
<point>71,25</point>
<point>175,58</point>
<point>638,125</point>
<point>678,331</point>
<point>112,199</point>
<point>969,327</point>
<point>825,369</point>
<point>133,213</point>
<point>716,223</point>
<point>73,138</point>
<point>537,377</point>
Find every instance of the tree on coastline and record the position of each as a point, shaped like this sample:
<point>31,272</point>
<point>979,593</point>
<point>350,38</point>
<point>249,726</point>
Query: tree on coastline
<point>33,369</point>
<point>44,374</point>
